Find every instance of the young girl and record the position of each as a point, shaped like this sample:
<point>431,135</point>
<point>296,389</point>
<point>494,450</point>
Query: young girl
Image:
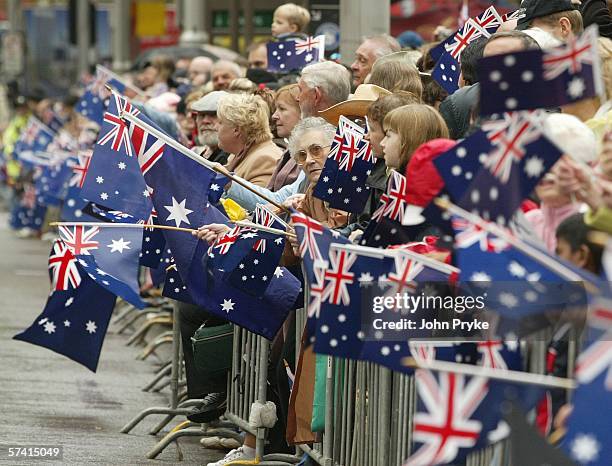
<point>406,128</point>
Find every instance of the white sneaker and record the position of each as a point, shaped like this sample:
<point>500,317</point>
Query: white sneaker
<point>234,455</point>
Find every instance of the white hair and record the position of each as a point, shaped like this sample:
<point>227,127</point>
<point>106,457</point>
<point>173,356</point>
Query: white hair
<point>544,38</point>
<point>572,136</point>
<point>332,79</point>
<point>386,44</point>
<point>310,124</point>
<point>234,68</point>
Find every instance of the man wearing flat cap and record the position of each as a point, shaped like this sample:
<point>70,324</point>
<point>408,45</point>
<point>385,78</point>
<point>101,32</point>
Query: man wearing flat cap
<point>204,111</point>
<point>559,18</point>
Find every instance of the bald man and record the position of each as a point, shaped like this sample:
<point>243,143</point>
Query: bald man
<point>223,73</point>
<point>199,71</point>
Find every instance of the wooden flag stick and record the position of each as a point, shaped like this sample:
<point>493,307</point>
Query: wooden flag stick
<point>255,226</point>
<point>121,225</point>
<point>522,246</point>
<point>497,374</point>
<point>201,160</point>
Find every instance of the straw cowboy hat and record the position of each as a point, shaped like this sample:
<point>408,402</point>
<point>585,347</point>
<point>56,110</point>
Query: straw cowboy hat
<point>357,104</point>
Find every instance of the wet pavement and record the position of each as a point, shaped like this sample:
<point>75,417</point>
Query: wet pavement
<point>47,399</point>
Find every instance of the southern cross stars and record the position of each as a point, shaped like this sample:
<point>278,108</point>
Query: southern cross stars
<point>228,305</point>
<point>119,245</point>
<point>178,212</point>
<point>91,327</point>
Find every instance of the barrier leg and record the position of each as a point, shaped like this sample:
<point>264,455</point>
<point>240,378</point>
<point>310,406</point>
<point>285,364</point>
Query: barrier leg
<point>173,409</point>
<point>163,372</point>
<point>262,389</point>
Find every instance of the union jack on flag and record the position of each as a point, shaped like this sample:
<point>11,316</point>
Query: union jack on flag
<point>265,218</point>
<point>148,148</point>
<point>462,38</point>
<point>397,197</point>
<point>489,19</point>
<point>509,144</point>
<point>338,277</point>
<point>223,244</point>
<point>468,234</point>
<point>309,44</point>
<point>491,352</point>
<point>571,56</point>
<point>63,268</point>
<point>311,229</point>
<point>117,135</point>
<point>79,239</point>
<point>317,288</point>
<point>404,274</point>
<point>80,169</point>
<point>597,358</point>
<point>444,423</point>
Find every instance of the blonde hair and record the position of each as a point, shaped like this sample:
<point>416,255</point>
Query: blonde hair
<point>415,124</point>
<point>574,17</point>
<point>249,113</point>
<point>242,85</point>
<point>396,76</point>
<point>294,14</point>
<point>288,93</point>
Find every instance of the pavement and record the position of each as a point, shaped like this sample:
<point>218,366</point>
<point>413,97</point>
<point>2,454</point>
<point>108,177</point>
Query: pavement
<point>47,399</point>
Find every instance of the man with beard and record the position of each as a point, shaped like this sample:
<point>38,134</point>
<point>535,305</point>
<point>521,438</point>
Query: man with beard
<point>205,114</point>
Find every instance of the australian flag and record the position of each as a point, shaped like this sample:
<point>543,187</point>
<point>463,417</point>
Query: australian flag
<point>342,182</point>
<point>34,138</point>
<point>448,54</point>
<point>206,287</point>
<point>342,297</point>
<point>116,252</point>
<point>495,169</point>
<point>74,321</point>
<point>92,103</point>
<point>294,54</point>
<point>587,439</point>
<point>520,288</point>
<point>113,175</point>
<point>179,188</point>
<point>542,78</point>
<point>255,270</point>
<point>457,414</point>
<point>385,227</point>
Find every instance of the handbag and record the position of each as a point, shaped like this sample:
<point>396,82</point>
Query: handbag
<point>213,348</point>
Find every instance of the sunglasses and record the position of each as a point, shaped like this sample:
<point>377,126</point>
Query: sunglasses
<point>316,150</point>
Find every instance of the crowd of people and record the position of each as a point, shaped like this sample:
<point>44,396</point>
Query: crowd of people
<point>275,132</point>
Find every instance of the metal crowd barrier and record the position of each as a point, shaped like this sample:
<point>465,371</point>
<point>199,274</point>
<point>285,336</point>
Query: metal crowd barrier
<point>368,412</point>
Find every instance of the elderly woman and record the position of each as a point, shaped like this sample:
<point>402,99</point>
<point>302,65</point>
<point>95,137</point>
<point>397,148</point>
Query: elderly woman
<point>309,146</point>
<point>244,131</point>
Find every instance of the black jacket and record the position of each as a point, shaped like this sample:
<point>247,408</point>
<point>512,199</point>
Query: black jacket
<point>457,110</point>
<point>597,12</point>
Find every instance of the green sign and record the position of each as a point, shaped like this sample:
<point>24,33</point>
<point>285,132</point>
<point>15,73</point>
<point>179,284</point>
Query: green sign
<point>261,19</point>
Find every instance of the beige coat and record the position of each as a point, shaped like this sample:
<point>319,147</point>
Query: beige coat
<point>256,165</point>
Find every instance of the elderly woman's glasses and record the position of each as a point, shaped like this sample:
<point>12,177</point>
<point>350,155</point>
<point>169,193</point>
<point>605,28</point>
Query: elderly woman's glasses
<point>316,150</point>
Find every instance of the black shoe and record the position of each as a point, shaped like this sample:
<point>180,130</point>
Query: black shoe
<point>212,408</point>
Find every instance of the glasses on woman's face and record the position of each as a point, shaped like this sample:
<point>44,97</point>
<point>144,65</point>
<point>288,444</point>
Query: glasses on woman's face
<point>316,150</point>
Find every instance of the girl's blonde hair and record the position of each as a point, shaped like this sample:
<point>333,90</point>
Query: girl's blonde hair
<point>416,124</point>
<point>249,113</point>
